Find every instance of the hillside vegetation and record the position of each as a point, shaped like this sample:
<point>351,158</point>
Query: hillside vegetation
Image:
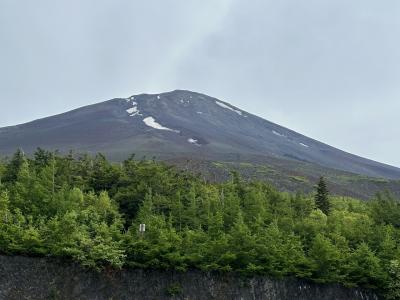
<point>290,176</point>
<point>89,209</point>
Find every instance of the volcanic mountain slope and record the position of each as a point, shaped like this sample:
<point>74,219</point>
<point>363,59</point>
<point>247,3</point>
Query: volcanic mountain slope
<point>180,124</point>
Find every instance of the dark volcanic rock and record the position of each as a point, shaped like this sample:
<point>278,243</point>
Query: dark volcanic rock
<point>179,124</point>
<point>41,278</point>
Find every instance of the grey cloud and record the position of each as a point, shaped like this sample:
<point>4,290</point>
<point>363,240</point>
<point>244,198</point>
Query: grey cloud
<point>326,68</point>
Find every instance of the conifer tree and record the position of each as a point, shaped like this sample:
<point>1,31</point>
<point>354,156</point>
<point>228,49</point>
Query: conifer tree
<point>246,227</point>
<point>322,196</point>
<point>14,166</point>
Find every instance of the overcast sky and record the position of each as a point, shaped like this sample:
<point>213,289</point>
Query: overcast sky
<point>329,69</point>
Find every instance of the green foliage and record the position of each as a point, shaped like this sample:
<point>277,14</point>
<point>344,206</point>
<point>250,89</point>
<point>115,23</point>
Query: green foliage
<point>326,260</point>
<point>89,209</point>
<point>394,281</point>
<point>322,197</point>
<point>385,209</point>
<point>174,289</point>
<point>364,267</point>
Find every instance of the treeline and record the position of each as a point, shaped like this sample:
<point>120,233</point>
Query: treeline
<point>89,209</point>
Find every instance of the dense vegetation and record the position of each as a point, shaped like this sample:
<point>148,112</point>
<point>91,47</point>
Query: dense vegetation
<point>89,209</point>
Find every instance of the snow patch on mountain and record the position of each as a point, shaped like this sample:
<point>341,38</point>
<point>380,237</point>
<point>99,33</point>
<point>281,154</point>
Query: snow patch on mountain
<point>278,133</point>
<point>304,145</point>
<point>193,141</point>
<point>151,122</point>
<point>133,111</point>
<point>223,105</point>
<point>185,102</point>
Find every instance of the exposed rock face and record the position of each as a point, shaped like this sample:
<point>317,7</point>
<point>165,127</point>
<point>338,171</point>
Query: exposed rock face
<point>41,278</point>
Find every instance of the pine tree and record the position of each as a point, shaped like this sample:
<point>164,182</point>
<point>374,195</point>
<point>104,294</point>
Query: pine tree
<point>14,166</point>
<point>322,196</point>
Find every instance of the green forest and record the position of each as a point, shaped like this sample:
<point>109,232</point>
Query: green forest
<point>89,209</point>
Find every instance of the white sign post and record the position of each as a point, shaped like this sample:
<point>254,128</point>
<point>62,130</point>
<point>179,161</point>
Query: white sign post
<point>142,229</point>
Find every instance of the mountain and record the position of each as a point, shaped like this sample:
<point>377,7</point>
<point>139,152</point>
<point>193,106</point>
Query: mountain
<point>181,124</point>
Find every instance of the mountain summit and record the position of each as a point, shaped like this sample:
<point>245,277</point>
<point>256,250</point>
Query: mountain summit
<point>179,124</point>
